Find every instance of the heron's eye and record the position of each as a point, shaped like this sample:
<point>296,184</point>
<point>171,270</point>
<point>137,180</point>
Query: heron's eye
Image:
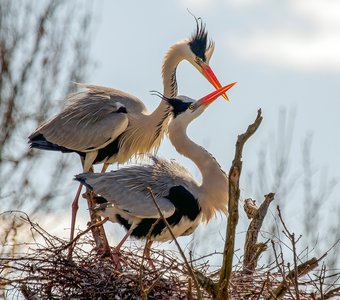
<point>197,59</point>
<point>191,106</point>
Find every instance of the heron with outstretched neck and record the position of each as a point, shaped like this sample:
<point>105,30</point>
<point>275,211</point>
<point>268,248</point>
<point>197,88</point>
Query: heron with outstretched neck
<point>124,194</point>
<point>105,125</point>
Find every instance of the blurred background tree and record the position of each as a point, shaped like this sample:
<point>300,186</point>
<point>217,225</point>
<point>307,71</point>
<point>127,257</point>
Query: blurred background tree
<point>304,190</point>
<point>44,47</point>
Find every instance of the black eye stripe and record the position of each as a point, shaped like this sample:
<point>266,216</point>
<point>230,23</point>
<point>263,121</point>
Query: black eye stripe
<point>179,106</point>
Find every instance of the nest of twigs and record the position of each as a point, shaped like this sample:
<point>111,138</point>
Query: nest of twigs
<point>50,275</point>
<point>44,272</point>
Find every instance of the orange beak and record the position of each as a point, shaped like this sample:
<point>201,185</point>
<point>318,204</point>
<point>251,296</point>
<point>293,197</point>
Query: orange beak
<point>206,100</point>
<point>210,76</point>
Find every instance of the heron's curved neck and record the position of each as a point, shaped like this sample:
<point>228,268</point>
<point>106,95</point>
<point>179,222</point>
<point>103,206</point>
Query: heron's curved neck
<point>205,162</point>
<point>214,187</point>
<point>173,57</point>
<point>171,60</point>
<point>147,130</point>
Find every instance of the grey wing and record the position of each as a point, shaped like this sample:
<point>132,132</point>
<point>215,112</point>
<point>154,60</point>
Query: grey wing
<point>126,188</point>
<point>91,119</point>
<point>132,103</point>
<point>165,174</point>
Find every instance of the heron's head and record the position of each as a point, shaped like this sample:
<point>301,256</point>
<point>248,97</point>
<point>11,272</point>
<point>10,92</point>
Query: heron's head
<point>185,109</point>
<point>200,50</point>
<point>197,50</point>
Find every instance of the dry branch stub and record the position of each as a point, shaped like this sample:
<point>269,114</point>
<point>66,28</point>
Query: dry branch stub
<point>253,249</point>
<point>250,208</point>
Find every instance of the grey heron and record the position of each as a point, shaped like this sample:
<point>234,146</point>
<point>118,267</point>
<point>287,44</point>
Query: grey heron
<point>124,196</point>
<point>105,125</point>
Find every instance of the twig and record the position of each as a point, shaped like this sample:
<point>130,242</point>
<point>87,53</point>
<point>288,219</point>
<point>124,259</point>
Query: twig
<point>145,291</point>
<point>299,271</point>
<point>291,237</point>
<point>263,286</point>
<point>279,265</point>
<point>158,278</point>
<point>199,296</point>
<point>207,284</point>
<point>330,294</point>
<point>234,195</point>
<point>26,292</point>
<point>252,249</point>
<point>69,244</point>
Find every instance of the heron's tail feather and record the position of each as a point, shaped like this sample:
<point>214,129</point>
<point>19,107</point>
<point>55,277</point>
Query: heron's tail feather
<point>37,140</point>
<point>82,179</point>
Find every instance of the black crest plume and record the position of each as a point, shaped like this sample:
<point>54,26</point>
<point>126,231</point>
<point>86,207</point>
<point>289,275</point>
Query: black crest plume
<point>199,40</point>
<point>158,94</point>
<point>178,106</point>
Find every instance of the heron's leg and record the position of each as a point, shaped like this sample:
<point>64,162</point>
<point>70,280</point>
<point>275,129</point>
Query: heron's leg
<point>115,254</point>
<point>73,219</point>
<point>74,211</point>
<point>104,168</point>
<point>120,244</point>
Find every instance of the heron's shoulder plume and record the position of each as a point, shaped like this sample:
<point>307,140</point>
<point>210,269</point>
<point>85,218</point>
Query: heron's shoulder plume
<point>91,88</point>
<point>199,40</point>
<point>90,93</point>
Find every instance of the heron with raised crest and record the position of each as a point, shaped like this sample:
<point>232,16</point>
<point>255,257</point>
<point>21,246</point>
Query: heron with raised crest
<point>105,125</point>
<point>124,197</point>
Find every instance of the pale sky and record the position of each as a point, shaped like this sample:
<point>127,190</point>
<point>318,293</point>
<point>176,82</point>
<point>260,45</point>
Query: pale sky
<point>281,53</point>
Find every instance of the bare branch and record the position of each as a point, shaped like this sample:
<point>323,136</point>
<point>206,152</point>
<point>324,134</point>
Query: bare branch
<point>177,244</point>
<point>291,237</point>
<point>234,194</point>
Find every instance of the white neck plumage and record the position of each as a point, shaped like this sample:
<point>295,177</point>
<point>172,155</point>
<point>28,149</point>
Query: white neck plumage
<point>146,131</point>
<point>213,192</point>
<point>158,120</point>
<point>173,57</point>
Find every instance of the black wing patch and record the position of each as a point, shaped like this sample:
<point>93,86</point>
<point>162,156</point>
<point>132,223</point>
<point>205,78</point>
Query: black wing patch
<point>108,151</point>
<point>38,141</point>
<point>184,202</point>
<point>186,205</point>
